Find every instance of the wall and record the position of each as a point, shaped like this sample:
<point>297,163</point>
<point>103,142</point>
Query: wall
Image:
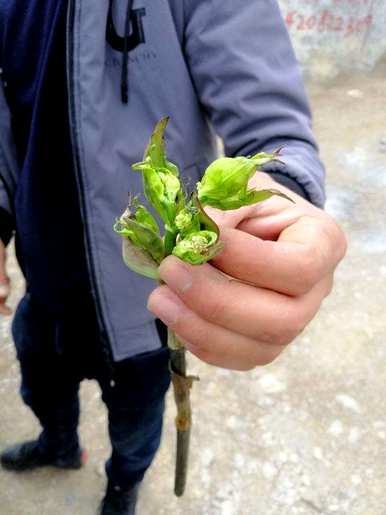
<point>331,36</point>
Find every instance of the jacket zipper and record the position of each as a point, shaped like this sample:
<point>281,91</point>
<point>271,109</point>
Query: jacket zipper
<point>106,349</point>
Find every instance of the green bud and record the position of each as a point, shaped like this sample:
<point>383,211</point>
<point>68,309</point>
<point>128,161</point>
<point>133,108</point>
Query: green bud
<point>155,151</point>
<point>144,217</point>
<point>143,248</point>
<point>162,190</point>
<point>162,187</point>
<point>225,182</point>
<point>198,247</point>
<point>187,220</point>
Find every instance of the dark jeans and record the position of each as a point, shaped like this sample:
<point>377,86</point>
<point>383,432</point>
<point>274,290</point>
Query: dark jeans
<point>56,353</point>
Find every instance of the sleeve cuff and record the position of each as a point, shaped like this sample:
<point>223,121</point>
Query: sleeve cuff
<point>301,165</point>
<point>6,226</point>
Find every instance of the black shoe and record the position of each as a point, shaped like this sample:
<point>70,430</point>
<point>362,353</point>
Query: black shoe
<point>118,501</point>
<point>28,456</point>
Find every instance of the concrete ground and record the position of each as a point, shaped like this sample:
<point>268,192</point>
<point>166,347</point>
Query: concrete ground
<point>305,435</point>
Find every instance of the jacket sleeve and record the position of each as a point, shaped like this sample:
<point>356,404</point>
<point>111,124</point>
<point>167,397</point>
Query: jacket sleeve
<point>248,80</point>
<point>8,167</point>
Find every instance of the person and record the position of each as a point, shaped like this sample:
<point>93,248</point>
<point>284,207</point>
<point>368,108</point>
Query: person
<point>83,84</point>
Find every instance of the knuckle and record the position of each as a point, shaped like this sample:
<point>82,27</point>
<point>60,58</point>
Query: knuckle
<point>310,268</point>
<point>273,336</point>
<point>328,286</point>
<point>296,321</point>
<point>215,311</point>
<point>336,236</point>
<point>286,337</point>
<point>294,328</point>
<point>203,355</point>
<point>196,334</point>
<point>290,326</point>
<point>247,367</point>
<point>269,357</point>
<point>341,242</point>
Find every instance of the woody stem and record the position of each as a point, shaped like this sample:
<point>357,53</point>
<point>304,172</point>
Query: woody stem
<point>181,387</point>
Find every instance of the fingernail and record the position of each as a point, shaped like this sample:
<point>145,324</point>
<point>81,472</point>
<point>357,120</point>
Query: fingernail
<point>165,308</point>
<point>176,275</point>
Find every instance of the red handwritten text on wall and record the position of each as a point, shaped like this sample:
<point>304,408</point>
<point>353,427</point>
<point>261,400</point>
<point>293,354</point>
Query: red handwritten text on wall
<point>356,3</point>
<point>327,21</point>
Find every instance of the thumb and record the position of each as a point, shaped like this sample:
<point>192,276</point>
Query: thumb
<point>231,218</point>
<point>4,282</point>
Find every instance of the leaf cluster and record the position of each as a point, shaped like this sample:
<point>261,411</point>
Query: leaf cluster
<point>189,233</point>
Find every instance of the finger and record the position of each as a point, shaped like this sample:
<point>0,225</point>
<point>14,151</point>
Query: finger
<point>4,282</point>
<point>209,342</point>
<point>303,255</point>
<point>269,226</point>
<point>4,292</point>
<point>232,217</point>
<point>256,313</point>
<point>4,309</point>
<point>4,289</point>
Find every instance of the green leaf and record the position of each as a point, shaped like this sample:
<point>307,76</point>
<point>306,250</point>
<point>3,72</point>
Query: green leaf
<point>206,222</point>
<point>262,158</point>
<point>138,260</point>
<point>255,196</point>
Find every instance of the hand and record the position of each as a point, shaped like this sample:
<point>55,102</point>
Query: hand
<point>254,298</point>
<point>4,283</point>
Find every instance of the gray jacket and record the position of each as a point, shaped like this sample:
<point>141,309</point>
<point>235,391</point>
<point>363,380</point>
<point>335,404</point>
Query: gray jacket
<point>218,68</point>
